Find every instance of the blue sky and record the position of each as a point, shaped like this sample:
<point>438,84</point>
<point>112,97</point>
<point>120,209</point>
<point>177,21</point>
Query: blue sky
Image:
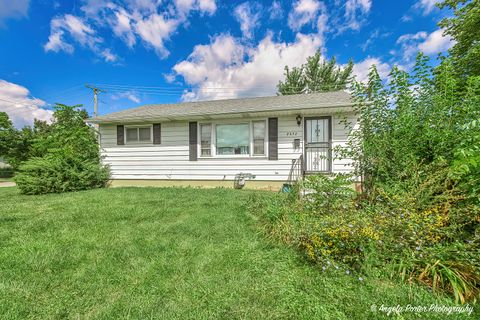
<point>160,51</point>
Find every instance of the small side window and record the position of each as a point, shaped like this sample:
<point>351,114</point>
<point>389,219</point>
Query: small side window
<point>205,140</point>
<point>259,138</point>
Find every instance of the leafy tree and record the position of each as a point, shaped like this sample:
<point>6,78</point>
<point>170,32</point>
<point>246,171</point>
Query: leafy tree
<point>6,130</point>
<point>66,156</point>
<point>463,27</point>
<point>15,145</point>
<point>20,146</point>
<point>316,75</point>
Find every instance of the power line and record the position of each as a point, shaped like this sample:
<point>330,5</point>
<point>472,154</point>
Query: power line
<point>58,93</point>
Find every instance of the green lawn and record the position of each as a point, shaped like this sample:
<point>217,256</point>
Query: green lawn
<point>167,254</point>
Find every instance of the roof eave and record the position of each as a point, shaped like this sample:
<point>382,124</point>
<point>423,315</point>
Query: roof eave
<point>248,113</point>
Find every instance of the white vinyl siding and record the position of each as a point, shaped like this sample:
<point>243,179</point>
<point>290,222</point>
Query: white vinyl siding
<point>170,160</point>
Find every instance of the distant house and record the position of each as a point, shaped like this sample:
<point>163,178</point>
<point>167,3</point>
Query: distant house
<point>209,143</point>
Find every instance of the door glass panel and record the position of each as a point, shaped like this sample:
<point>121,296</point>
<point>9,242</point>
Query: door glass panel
<point>317,130</point>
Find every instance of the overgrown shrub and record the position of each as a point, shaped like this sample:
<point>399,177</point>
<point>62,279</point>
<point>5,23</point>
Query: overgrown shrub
<point>326,194</point>
<point>56,174</point>
<point>67,158</point>
<point>347,239</point>
<point>418,217</point>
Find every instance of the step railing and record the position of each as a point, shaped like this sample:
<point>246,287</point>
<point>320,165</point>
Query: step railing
<point>296,171</point>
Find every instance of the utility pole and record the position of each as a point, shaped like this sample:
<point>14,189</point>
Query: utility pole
<point>95,98</point>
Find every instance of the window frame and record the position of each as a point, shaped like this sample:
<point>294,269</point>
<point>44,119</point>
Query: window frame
<point>138,142</point>
<point>213,139</point>
<point>199,140</point>
<point>265,139</point>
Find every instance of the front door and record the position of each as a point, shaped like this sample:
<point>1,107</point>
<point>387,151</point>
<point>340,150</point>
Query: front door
<point>318,144</point>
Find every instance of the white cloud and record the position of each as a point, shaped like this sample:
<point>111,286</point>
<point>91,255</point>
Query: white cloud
<point>22,109</point>
<point>204,6</point>
<point>76,28</point>
<point>208,6</point>
<point>412,36</point>
<point>304,12</point>
<point>435,43</point>
<point>406,18</point>
<point>374,35</point>
<point>276,10</point>
<point>322,19</point>
<point>122,27</point>
<point>428,43</point>
<point>130,95</point>
<point>355,12</point>
<point>153,21</point>
<point>184,5</point>
<point>225,68</point>
<point>409,45</point>
<point>109,56</point>
<point>426,5</point>
<point>248,15</point>
<point>13,9</point>
<point>55,43</point>
<point>155,30</point>
<point>361,69</point>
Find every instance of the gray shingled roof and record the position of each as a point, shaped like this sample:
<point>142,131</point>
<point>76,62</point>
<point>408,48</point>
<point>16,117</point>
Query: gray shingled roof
<point>335,99</point>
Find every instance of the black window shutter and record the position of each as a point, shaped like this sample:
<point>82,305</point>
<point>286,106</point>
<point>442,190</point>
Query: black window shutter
<point>120,135</point>
<point>157,133</point>
<point>272,138</point>
<point>193,141</point>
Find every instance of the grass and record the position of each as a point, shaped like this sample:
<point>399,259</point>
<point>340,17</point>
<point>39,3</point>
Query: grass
<point>5,179</point>
<point>167,253</point>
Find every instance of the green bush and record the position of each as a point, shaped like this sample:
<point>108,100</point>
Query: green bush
<point>67,156</point>
<point>327,194</point>
<point>418,218</point>
<point>55,174</point>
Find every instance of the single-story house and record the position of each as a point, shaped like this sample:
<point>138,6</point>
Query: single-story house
<point>267,140</point>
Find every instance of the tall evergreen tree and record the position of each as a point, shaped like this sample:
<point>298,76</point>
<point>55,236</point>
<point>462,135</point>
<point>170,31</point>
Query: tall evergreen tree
<point>316,75</point>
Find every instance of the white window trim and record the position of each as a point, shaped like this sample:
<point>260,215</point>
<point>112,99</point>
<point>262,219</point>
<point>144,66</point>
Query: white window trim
<point>199,139</point>
<point>265,139</point>
<point>235,156</point>
<point>138,134</point>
